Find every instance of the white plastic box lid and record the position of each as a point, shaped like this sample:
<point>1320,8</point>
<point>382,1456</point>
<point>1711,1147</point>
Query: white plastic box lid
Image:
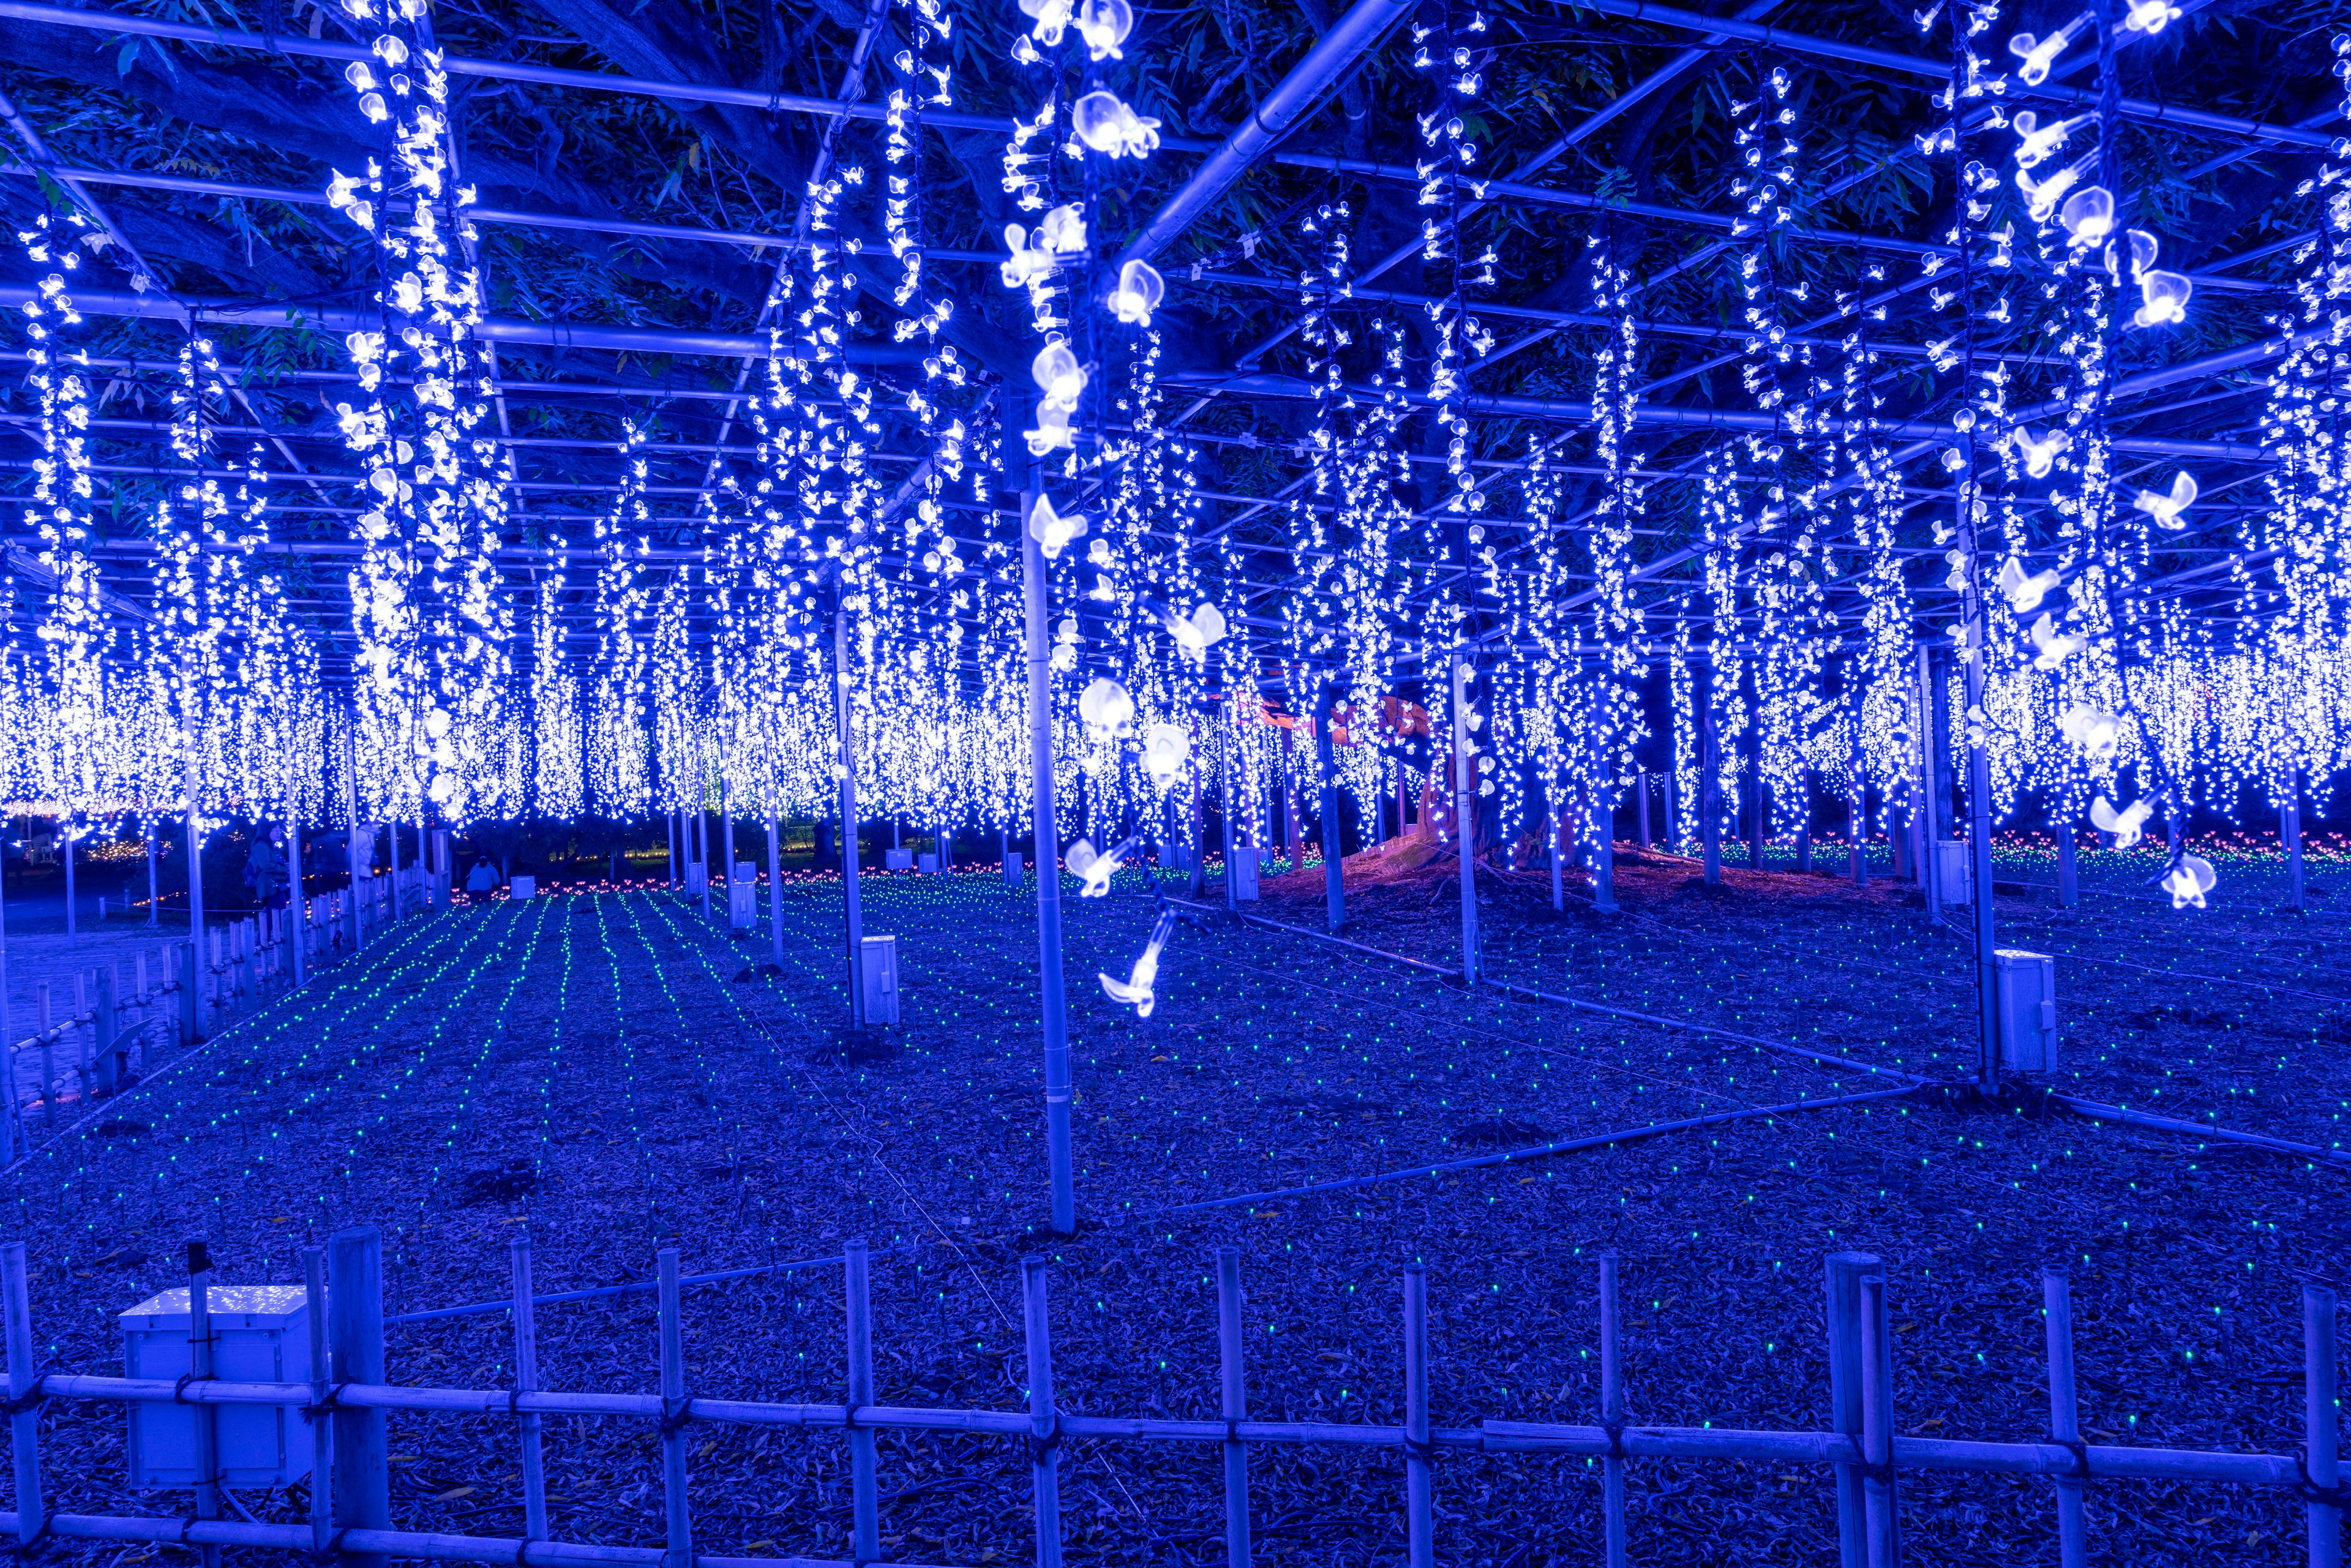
<point>260,1307</point>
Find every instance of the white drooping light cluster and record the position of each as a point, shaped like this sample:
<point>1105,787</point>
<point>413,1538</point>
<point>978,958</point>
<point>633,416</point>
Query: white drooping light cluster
<point>826,571</point>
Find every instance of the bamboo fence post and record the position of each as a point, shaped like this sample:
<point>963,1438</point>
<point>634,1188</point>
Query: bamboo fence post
<point>1233,1406</point>
<point>1844,1271</point>
<point>1044,1420</point>
<point>1612,1415</point>
<point>25,1417</point>
<point>2064,1418</point>
<point>864,1498</point>
<point>362,1478</point>
<point>322,1483</point>
<point>676,1411</point>
<point>525,1338</point>
<point>1877,1427</point>
<point>2321,1470</point>
<point>200,1370</point>
<point>1420,1547</point>
<point>48,1054</point>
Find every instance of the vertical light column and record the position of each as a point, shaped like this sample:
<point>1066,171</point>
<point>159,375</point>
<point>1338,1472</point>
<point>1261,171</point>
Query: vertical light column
<point>853,917</point>
<point>1335,882</point>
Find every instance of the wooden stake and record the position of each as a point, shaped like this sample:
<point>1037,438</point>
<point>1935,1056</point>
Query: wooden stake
<point>865,1497</point>
<point>1044,1421</point>
<point>1611,1415</point>
<point>2064,1416</point>
<point>2320,1460</point>
<point>1419,1480</point>
<point>1877,1428</point>
<point>1233,1405</point>
<point>675,1409</point>
<point>24,1421</point>
<point>362,1478</point>
<point>322,1480</point>
<point>526,1337</point>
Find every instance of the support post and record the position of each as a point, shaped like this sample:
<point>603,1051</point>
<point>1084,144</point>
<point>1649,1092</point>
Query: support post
<point>195,850</point>
<point>200,1369</point>
<point>11,1140</point>
<point>1419,1481</point>
<point>1805,819</point>
<point>2297,895</point>
<point>702,839</point>
<point>2320,1459</point>
<point>727,816</point>
<point>2064,1416</point>
<point>351,816</point>
<point>66,837</point>
<point>1640,808</point>
<point>1055,1009</point>
<point>1465,815</point>
<point>526,1340</point>
<point>2069,875</point>
<point>1710,788</point>
<point>775,892</point>
<point>1044,1419</point>
<point>1611,1415</point>
<point>865,1493</point>
<point>852,916</point>
<point>322,1480</point>
<point>153,899</point>
<point>1882,1532</point>
<point>1233,1406</point>
<point>25,1415</point>
<point>362,1479</point>
<point>191,994</point>
<point>297,907</point>
<point>675,1409</point>
<point>1197,881</point>
<point>1558,855</point>
<point>1225,806</point>
<point>1846,1271</point>
<point>1335,881</point>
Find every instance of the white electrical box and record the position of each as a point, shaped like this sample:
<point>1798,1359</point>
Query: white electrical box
<point>1012,868</point>
<point>927,864</point>
<point>746,870</point>
<point>897,860</point>
<point>1954,869</point>
<point>743,905</point>
<point>877,973</point>
<point>522,887</point>
<point>695,877</point>
<point>1244,873</point>
<point>2027,986</point>
<point>261,1333</point>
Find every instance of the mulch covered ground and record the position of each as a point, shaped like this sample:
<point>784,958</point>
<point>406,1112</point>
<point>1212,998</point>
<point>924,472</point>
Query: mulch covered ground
<point>593,1070</point>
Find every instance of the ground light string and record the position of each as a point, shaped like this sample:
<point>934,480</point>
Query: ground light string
<point>318,998</point>
<point>753,1021</point>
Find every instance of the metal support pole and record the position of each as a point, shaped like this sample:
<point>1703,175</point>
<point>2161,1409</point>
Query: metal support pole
<point>775,891</point>
<point>1335,881</point>
<point>1805,819</point>
<point>1558,855</point>
<point>362,1479</point>
<point>1199,879</point>
<point>2069,875</point>
<point>1465,815</point>
<point>153,896</point>
<point>65,838</point>
<point>2064,1416</point>
<point>727,816</point>
<point>1710,787</point>
<point>351,816</point>
<point>1972,679</point>
<point>297,907</point>
<point>854,916</point>
<point>1640,808</point>
<point>195,852</point>
<point>669,830</point>
<point>1048,871</point>
<point>2297,895</point>
<point>1224,808</point>
<point>701,837</point>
